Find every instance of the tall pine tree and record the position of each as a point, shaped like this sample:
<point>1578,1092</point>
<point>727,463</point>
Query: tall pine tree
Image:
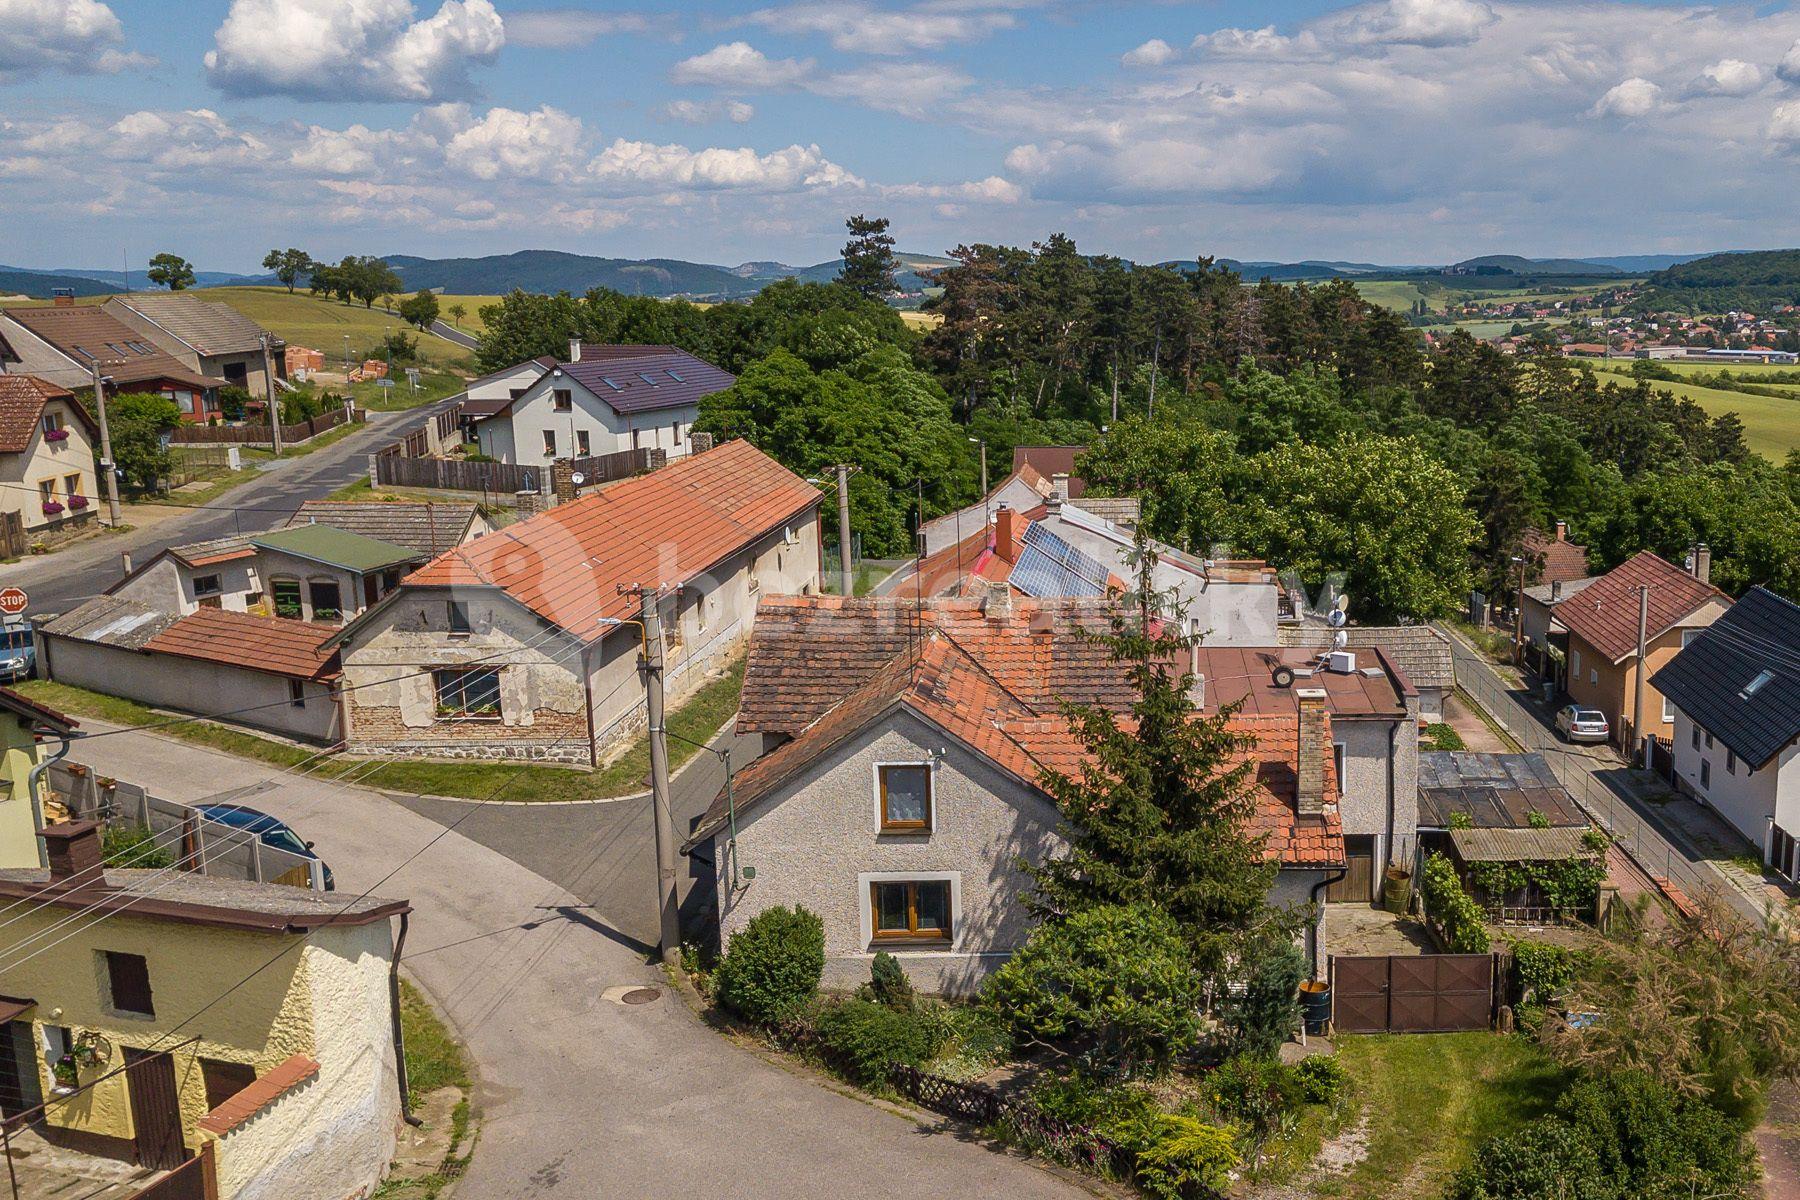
<point>868,257</point>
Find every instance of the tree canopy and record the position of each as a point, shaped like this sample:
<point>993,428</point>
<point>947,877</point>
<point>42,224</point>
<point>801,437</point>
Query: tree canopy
<point>288,265</point>
<point>171,271</point>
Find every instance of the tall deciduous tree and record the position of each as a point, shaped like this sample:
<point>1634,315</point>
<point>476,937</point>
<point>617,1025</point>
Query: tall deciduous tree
<point>171,271</point>
<point>420,310</point>
<point>288,265</point>
<point>868,257</point>
<point>137,422</point>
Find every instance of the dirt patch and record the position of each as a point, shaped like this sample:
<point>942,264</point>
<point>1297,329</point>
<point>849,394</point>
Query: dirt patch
<point>1478,737</point>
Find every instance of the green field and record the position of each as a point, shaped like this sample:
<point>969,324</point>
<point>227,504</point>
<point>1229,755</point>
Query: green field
<point>1398,294</point>
<point>1771,424</point>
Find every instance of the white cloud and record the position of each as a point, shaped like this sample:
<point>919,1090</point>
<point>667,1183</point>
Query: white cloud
<point>1153,53</point>
<point>566,28</point>
<point>909,88</point>
<point>740,65</point>
<point>81,36</point>
<point>545,144</point>
<point>992,190</point>
<point>178,141</point>
<point>645,165</point>
<point>1249,43</point>
<point>1422,22</point>
<point>352,49</point>
<point>705,112</point>
<point>1784,123</point>
<point>1636,97</point>
<point>1728,77</point>
<point>861,28</point>
<point>1789,67</point>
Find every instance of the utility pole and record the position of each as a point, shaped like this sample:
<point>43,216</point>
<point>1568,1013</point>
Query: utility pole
<point>846,572</point>
<point>1519,614</point>
<point>269,394</point>
<point>652,665</point>
<point>982,442</point>
<point>1637,692</point>
<point>106,458</point>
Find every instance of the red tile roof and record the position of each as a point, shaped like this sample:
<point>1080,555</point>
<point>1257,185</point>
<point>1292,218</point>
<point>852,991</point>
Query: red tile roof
<point>1051,461</point>
<point>274,644</point>
<point>22,401</point>
<point>259,1094</point>
<point>661,529</point>
<point>32,711</point>
<point>1605,613</point>
<point>822,668</point>
<point>1553,560</point>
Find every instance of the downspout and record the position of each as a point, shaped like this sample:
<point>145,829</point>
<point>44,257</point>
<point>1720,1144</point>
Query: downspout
<point>587,694</point>
<point>32,777</point>
<point>1312,943</point>
<point>406,1112</point>
<point>1392,798</point>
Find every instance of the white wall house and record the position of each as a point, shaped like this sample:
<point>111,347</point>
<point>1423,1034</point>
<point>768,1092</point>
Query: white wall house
<point>47,444</point>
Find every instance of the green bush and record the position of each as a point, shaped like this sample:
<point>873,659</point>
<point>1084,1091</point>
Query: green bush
<point>1545,1159</point>
<point>1260,1019</point>
<point>1321,1078</point>
<point>232,400</point>
<point>1455,912</point>
<point>864,1038</point>
<point>1540,970</point>
<point>1118,978</point>
<point>1177,1156</point>
<point>773,964</point>
<point>888,983</point>
<point>399,348</point>
<point>974,1043</point>
<point>1255,1090</point>
<point>1443,737</point>
<point>1654,1143</point>
<point>132,846</point>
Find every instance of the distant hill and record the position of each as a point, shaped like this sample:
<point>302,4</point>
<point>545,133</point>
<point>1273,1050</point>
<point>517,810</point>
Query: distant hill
<point>1311,268</point>
<point>1513,264</point>
<point>1643,264</point>
<point>1754,280</point>
<point>23,281</point>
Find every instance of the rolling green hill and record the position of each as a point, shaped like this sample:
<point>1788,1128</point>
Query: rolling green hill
<point>1755,280</point>
<point>37,285</point>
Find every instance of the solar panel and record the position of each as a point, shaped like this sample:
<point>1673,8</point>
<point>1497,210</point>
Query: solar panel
<point>1049,566</point>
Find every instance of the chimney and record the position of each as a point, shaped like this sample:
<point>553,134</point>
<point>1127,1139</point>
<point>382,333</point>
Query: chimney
<point>1562,531</point>
<point>73,847</point>
<point>527,502</point>
<point>562,479</point>
<point>1309,791</point>
<point>1007,527</point>
<point>1060,485</point>
<point>997,605</point>
<point>1703,563</point>
<point>574,349</point>
<point>699,443</point>
<point>1555,590</point>
<point>1197,690</point>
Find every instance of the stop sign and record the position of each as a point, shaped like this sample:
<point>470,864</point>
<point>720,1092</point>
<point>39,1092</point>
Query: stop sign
<point>13,601</point>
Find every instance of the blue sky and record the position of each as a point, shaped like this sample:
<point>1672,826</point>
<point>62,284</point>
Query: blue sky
<point>1391,131</point>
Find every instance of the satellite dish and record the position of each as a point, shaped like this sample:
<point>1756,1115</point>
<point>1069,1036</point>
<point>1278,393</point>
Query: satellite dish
<point>1335,618</point>
<point>1343,602</point>
<point>578,479</point>
<point>1339,639</point>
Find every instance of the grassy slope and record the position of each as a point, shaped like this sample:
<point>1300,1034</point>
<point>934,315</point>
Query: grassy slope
<point>1396,294</point>
<point>1771,425</point>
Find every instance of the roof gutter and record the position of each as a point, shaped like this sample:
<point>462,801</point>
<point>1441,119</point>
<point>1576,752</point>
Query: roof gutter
<point>1312,943</point>
<point>406,1112</point>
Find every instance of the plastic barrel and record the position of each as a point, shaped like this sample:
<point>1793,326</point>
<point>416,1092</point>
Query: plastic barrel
<point>1315,1005</point>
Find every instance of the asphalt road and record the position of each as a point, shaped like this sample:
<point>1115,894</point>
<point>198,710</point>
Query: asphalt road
<point>451,333</point>
<point>60,581</point>
<point>579,1095</point>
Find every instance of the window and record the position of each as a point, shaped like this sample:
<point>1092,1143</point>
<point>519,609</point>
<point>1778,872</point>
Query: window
<point>905,793</point>
<point>1705,773</point>
<point>515,393</point>
<point>327,602</point>
<point>910,910</point>
<point>1688,635</point>
<point>51,422</point>
<point>563,399</point>
<point>675,427</point>
<point>1730,762</point>
<point>458,612</point>
<point>1709,741</point>
<point>128,981</point>
<point>287,598</point>
<point>1668,710</point>
<point>297,693</point>
<point>1756,685</point>
<point>253,599</point>
<point>1337,762</point>
<point>464,693</point>
<point>1594,675</point>
<point>72,485</point>
<point>224,1079</point>
<point>47,491</point>
<point>1575,664</point>
<point>549,443</point>
<point>206,585</point>
<point>1696,737</point>
<point>581,443</point>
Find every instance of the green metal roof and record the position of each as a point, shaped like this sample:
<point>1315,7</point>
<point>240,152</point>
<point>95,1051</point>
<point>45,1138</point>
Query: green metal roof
<point>336,547</point>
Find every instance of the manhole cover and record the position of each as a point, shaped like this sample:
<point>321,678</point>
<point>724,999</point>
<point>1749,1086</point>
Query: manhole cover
<point>643,995</point>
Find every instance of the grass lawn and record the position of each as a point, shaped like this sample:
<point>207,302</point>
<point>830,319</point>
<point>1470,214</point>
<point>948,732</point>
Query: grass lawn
<point>434,1058</point>
<point>1429,1099</point>
<point>867,576</point>
<point>696,720</point>
<point>1398,294</point>
<point>1771,424</point>
<point>322,324</point>
<point>433,386</point>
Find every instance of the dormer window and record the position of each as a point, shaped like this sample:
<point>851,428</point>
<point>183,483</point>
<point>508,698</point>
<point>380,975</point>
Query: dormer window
<point>904,795</point>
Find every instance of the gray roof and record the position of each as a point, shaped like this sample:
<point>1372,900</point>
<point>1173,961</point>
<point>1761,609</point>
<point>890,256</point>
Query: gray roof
<point>1495,791</point>
<point>429,528</point>
<point>1714,679</point>
<point>189,551</point>
<point>207,326</point>
<point>661,377</point>
<point>1420,651</point>
<point>112,621</point>
<point>1120,510</point>
<point>190,895</point>
<point>1519,845</point>
<point>1541,592</point>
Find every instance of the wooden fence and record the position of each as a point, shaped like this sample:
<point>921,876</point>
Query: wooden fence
<point>12,535</point>
<point>1063,1141</point>
<point>258,434</point>
<point>195,1179</point>
<point>395,467</point>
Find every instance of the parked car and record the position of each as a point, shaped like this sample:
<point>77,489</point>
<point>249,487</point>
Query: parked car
<point>271,831</point>
<point>1578,724</point>
<point>18,653</point>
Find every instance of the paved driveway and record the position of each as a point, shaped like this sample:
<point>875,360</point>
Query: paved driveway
<point>580,1096</point>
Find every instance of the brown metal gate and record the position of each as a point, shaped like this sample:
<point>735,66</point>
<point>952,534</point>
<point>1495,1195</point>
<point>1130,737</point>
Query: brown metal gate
<point>195,1179</point>
<point>1421,993</point>
<point>155,1109</point>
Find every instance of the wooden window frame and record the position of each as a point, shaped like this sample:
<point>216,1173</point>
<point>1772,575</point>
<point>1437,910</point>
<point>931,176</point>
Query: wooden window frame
<point>458,627</point>
<point>912,933</point>
<point>562,400</point>
<point>216,1074</point>
<point>888,825</point>
<point>297,693</point>
<point>465,713</point>
<point>217,588</point>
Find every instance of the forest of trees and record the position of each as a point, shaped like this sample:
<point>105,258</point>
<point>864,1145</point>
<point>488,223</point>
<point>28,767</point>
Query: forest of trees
<point>1294,422</point>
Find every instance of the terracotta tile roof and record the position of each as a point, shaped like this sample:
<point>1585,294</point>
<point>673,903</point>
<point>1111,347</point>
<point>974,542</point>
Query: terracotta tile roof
<point>1605,613</point>
<point>1051,461</point>
<point>22,401</point>
<point>1553,561</point>
<point>661,529</point>
<point>274,644</point>
<point>822,669</point>
<point>38,714</point>
<point>259,1094</point>
<point>86,333</point>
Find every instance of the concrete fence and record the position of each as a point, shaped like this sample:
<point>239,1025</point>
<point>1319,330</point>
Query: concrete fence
<point>189,839</point>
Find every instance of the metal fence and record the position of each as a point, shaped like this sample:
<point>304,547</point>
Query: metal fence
<point>1629,830</point>
<point>204,846</point>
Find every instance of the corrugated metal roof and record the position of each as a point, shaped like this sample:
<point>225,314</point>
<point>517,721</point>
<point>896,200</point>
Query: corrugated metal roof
<point>1715,678</point>
<point>1518,845</point>
<point>112,622</point>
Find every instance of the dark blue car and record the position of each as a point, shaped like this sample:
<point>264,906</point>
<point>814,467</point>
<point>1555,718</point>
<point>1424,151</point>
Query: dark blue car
<point>271,831</point>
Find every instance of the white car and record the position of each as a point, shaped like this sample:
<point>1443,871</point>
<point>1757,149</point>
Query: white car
<point>1578,724</point>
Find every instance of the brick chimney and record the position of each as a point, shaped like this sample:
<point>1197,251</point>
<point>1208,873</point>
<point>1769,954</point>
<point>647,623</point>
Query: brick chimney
<point>1315,745</point>
<point>527,502</point>
<point>1562,531</point>
<point>1703,563</point>
<point>1008,527</point>
<point>73,847</point>
<point>574,349</point>
<point>62,299</point>
<point>562,479</point>
<point>997,605</point>
<point>699,443</point>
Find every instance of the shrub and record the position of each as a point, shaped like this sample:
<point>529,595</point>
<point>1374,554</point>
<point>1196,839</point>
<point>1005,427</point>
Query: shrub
<point>1321,1078</point>
<point>1260,1019</point>
<point>773,964</point>
<point>1540,970</point>
<point>888,983</point>
<point>399,348</point>
<point>1545,1159</point>
<point>864,1038</point>
<point>1255,1090</point>
<point>1653,1142</point>
<point>232,400</point>
<point>1117,977</point>
<point>974,1043</point>
<point>132,846</point>
<point>1452,908</point>
<point>1440,736</point>
<point>1179,1156</point>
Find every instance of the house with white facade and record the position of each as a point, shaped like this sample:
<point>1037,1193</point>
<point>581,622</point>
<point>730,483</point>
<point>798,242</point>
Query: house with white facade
<point>603,400</point>
<point>47,443</point>
<point>1735,689</point>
